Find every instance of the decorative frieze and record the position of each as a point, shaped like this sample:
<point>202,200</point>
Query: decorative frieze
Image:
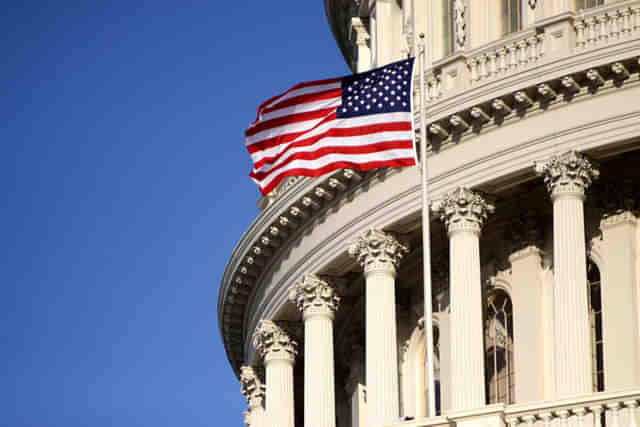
<point>378,250</point>
<point>313,295</point>
<point>570,173</point>
<point>463,209</point>
<point>272,342</point>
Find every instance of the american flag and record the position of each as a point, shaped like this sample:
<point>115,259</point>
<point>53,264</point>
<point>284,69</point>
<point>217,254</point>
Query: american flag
<point>362,121</point>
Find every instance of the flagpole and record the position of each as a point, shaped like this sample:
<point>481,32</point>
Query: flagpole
<point>426,240</point>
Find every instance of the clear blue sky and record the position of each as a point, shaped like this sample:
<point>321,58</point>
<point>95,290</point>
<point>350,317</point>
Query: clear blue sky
<point>124,185</point>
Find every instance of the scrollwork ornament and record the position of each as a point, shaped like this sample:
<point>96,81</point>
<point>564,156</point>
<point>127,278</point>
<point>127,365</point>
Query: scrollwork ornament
<point>463,210</point>
<point>460,9</point>
<point>272,342</point>
<point>377,250</point>
<point>313,295</point>
<point>570,173</point>
<point>251,386</point>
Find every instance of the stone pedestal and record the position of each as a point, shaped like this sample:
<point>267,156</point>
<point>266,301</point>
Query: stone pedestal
<point>278,350</point>
<point>379,254</point>
<point>464,213</point>
<point>318,302</point>
<point>567,176</point>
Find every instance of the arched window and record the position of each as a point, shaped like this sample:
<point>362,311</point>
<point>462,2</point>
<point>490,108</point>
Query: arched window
<point>511,16</point>
<point>586,4</point>
<point>498,339</point>
<point>595,321</point>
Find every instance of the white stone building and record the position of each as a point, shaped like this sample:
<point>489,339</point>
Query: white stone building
<point>533,113</point>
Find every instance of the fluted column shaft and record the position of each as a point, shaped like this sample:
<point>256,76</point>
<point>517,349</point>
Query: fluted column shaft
<point>567,176</point>
<point>464,213</point>
<point>467,344</point>
<point>379,253</point>
<point>317,300</point>
<point>280,405</point>
<point>383,406</point>
<point>278,350</point>
<point>572,340</point>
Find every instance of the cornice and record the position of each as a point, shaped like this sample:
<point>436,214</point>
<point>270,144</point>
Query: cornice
<point>292,212</point>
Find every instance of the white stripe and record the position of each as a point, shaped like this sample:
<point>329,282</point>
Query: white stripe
<point>341,141</point>
<point>372,119</point>
<point>332,158</point>
<point>283,130</point>
<point>304,91</point>
<point>303,108</point>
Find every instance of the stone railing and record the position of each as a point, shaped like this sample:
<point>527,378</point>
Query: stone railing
<point>515,53</point>
<point>610,409</point>
<point>604,25</point>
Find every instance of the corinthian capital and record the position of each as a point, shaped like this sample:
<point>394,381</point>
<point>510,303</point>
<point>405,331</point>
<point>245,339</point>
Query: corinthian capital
<point>272,342</point>
<point>251,386</point>
<point>314,296</point>
<point>377,250</point>
<point>570,173</point>
<point>463,210</point>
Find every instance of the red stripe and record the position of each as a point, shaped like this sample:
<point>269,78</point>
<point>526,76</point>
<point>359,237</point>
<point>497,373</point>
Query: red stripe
<point>335,166</point>
<point>321,152</point>
<point>284,138</point>
<point>291,118</point>
<point>303,99</point>
<point>298,86</point>
<point>332,132</point>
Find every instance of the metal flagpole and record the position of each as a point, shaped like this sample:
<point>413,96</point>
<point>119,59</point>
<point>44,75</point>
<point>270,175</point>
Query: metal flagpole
<point>426,240</point>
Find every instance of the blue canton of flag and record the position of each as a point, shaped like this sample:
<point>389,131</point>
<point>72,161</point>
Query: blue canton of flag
<point>383,90</point>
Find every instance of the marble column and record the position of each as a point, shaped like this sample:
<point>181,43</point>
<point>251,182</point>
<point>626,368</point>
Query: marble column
<point>279,351</point>
<point>253,389</point>
<point>567,177</point>
<point>464,213</point>
<point>379,253</point>
<point>318,302</point>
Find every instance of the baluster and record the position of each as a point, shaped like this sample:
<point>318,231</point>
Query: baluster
<point>540,38</point>
<point>603,34</point>
<point>529,419</point>
<point>591,30</point>
<point>631,410</point>
<point>615,418</point>
<point>522,53</point>
<point>580,414</point>
<point>636,18</point>
<point>626,21</point>
<point>546,418</point>
<point>513,61</point>
<point>502,60</point>
<point>580,41</point>
<point>473,66</point>
<point>615,24</point>
<point>533,48</point>
<point>597,412</point>
<point>512,421</point>
<point>493,66</point>
<point>563,414</point>
<point>483,66</point>
<point>438,87</point>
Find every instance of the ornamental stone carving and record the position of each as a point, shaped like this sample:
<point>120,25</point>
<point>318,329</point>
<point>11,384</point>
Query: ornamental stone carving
<point>314,296</point>
<point>567,174</point>
<point>377,250</point>
<point>460,9</point>
<point>272,342</point>
<point>463,210</point>
<point>251,386</point>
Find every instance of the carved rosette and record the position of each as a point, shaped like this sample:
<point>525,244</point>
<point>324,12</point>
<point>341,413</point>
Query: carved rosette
<point>314,296</point>
<point>251,386</point>
<point>376,250</point>
<point>568,174</point>
<point>273,343</point>
<point>463,210</point>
